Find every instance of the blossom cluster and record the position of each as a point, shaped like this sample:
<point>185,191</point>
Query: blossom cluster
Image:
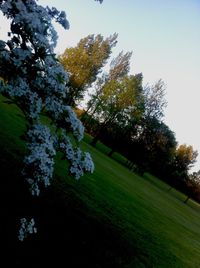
<point>38,165</point>
<point>26,227</point>
<point>79,161</point>
<point>75,123</point>
<point>33,21</point>
<point>27,62</point>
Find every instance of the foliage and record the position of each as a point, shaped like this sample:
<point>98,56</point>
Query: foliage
<point>84,62</point>
<point>147,135</point>
<point>185,157</point>
<point>154,100</point>
<point>116,98</point>
<point>157,144</point>
<point>192,185</point>
<point>119,102</point>
<point>119,67</point>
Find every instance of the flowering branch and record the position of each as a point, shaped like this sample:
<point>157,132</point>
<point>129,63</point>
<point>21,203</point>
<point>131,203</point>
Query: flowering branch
<point>35,81</point>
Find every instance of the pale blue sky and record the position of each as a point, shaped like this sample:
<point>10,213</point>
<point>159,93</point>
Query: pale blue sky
<point>164,36</point>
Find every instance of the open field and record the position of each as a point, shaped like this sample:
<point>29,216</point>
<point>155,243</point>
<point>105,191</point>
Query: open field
<point>112,218</point>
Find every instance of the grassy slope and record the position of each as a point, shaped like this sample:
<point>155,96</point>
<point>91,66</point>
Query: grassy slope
<point>112,218</point>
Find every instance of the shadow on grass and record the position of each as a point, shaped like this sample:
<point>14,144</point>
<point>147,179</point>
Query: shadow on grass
<point>67,234</point>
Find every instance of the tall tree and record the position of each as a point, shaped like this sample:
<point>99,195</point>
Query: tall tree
<point>150,140</point>
<point>120,100</point>
<point>152,146</point>
<point>193,186</point>
<point>150,128</point>
<point>155,101</point>
<point>84,62</point>
<point>120,66</point>
<point>104,86</point>
<point>186,156</point>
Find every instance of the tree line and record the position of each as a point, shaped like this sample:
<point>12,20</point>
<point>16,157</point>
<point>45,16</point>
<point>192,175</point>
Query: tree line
<point>126,115</point>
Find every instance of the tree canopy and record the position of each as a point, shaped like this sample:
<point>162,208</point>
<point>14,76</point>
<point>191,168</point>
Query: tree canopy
<point>84,62</point>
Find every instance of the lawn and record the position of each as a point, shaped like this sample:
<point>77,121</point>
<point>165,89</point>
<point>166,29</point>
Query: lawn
<point>112,218</point>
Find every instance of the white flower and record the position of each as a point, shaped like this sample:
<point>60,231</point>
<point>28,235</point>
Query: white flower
<point>79,161</point>
<point>87,163</point>
<point>26,228</point>
<point>39,164</point>
<point>76,125</point>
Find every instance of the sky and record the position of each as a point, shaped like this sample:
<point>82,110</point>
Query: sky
<point>164,36</point>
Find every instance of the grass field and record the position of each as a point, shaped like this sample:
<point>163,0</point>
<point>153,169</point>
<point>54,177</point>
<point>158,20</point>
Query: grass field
<point>112,218</point>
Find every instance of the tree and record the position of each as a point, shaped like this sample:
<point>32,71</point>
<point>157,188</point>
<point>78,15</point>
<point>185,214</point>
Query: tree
<point>84,62</point>
<point>154,100</point>
<point>34,80</point>
<point>151,146</point>
<point>193,186</point>
<point>185,158</point>
<point>116,94</point>
<point>150,129</point>
<point>119,67</point>
<point>120,100</point>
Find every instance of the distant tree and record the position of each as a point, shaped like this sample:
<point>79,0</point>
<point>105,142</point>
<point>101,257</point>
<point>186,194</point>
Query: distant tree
<point>119,67</point>
<point>152,137</point>
<point>120,101</point>
<point>113,93</point>
<point>84,62</point>
<point>152,147</point>
<point>195,176</point>
<point>186,156</point>
<point>155,100</point>
<point>193,186</point>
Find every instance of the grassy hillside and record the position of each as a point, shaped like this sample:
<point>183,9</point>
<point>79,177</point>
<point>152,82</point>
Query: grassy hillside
<point>112,218</point>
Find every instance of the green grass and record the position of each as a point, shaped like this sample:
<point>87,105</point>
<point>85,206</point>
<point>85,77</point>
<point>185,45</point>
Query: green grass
<point>105,149</point>
<point>112,218</point>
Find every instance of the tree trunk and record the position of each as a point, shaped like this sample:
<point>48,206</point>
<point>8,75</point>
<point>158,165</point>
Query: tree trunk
<point>186,200</point>
<point>111,153</point>
<point>90,116</point>
<point>170,188</point>
<point>95,140</point>
<point>107,121</point>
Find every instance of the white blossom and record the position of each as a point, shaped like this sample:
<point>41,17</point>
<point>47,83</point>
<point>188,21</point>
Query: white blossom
<point>75,123</point>
<point>26,227</point>
<point>87,162</point>
<point>79,161</point>
<point>39,163</point>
